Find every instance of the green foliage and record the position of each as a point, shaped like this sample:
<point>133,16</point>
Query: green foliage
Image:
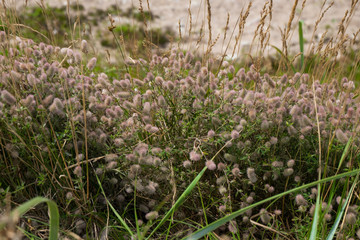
<point>148,129</point>
<point>21,210</point>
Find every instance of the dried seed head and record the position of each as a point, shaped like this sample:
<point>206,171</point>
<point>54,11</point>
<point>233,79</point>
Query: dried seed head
<point>265,216</point>
<point>8,97</point>
<point>111,165</point>
<point>271,189</point>
<point>220,180</point>
<point>187,164</point>
<point>251,175</point>
<point>235,171</point>
<point>350,218</point>
<point>78,171</point>
<point>147,108</point>
<point>111,157</point>
<point>288,172</point>
<point>235,134</point>
<point>284,79</point>
<point>152,215</point>
<point>56,106</point>
<point>327,217</point>
<point>194,156</point>
<point>341,136</point>
<point>211,133</point>
<point>91,64</point>
<point>229,157</point>
<point>250,200</point>
<point>69,196</point>
<point>221,166</point>
<point>118,142</point>
<point>300,200</point>
<point>2,37</point>
<point>306,130</point>
<point>277,164</point>
<point>211,165</point>
<point>273,140</point>
<point>291,163</point>
<point>232,226</point>
<point>99,171</point>
<point>252,114</point>
<point>264,125</point>
<point>277,212</point>
<point>222,208</point>
<point>84,46</point>
<point>222,190</point>
<point>161,101</point>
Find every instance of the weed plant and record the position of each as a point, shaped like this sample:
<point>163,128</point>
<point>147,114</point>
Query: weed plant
<point>116,149</point>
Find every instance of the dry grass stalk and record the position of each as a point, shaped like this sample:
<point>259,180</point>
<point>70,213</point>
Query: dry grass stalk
<point>180,36</point>
<point>201,36</point>
<point>286,32</point>
<point>209,45</point>
<point>294,58</point>
<point>291,18</point>
<point>226,29</point>
<point>264,36</point>
<point>146,31</point>
<point>260,26</point>
<point>322,14</point>
<point>208,51</point>
<point>303,4</point>
<point>190,18</point>
<point>209,20</point>
<point>321,42</point>
<point>356,66</point>
<point>243,17</point>
<point>355,35</point>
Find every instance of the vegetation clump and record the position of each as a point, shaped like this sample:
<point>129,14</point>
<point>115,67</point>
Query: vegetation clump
<point>145,135</point>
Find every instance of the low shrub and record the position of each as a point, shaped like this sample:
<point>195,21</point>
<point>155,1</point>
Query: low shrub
<point>149,132</point>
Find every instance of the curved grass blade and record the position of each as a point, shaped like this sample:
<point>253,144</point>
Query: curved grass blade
<point>214,225</point>
<point>113,209</point>
<point>338,218</point>
<point>180,200</point>
<point>53,212</point>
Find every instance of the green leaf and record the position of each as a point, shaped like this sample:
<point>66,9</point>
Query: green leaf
<point>180,200</point>
<point>338,218</point>
<point>122,221</point>
<point>315,223</point>
<point>214,225</point>
<point>53,212</point>
<point>301,42</point>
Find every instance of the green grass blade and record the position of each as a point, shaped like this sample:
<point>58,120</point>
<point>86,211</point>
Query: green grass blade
<point>301,42</point>
<point>113,209</point>
<point>180,200</point>
<point>315,223</point>
<point>214,225</point>
<point>338,218</point>
<point>283,55</point>
<point>345,152</point>
<point>53,212</point>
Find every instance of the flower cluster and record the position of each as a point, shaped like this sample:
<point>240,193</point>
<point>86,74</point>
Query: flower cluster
<point>257,135</point>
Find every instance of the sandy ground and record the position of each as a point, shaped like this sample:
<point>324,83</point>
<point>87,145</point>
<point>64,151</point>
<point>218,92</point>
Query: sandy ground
<point>170,12</point>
